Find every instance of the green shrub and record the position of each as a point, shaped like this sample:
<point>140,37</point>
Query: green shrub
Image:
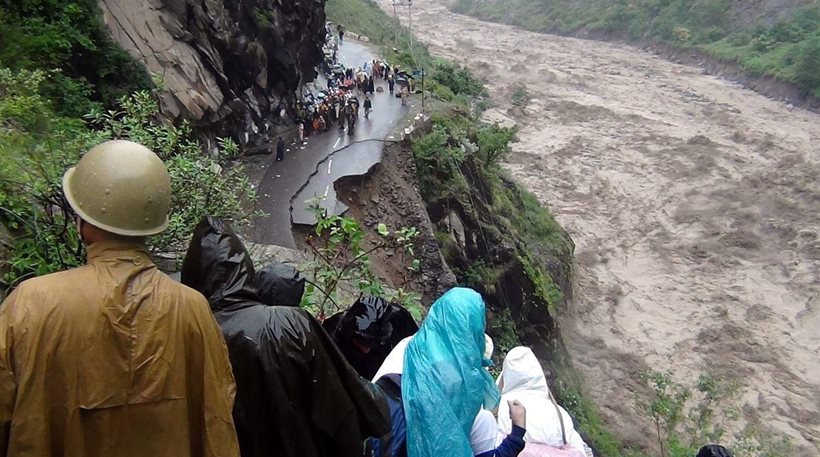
<point>494,142</point>
<point>37,145</point>
<point>457,78</point>
<point>69,35</point>
<point>807,65</point>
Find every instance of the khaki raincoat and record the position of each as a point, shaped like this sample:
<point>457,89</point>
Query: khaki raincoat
<point>113,359</point>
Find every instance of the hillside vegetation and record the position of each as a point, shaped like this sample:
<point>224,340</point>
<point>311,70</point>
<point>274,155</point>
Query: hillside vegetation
<point>66,39</point>
<point>783,42</point>
<point>65,86</point>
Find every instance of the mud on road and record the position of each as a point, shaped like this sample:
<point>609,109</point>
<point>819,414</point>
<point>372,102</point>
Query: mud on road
<point>694,206</point>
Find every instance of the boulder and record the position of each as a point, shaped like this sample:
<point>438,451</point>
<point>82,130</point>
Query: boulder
<point>455,227</point>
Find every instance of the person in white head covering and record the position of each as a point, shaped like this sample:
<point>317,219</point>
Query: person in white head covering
<point>549,424</point>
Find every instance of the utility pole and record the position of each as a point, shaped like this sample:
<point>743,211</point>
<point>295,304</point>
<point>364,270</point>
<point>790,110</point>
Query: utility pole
<point>409,5</point>
<point>422,91</point>
<point>410,21</point>
<point>396,29</point>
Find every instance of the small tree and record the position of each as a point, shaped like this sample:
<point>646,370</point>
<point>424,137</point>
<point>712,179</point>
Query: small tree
<point>493,142</point>
<point>665,406</point>
<point>339,256</point>
<point>685,418</point>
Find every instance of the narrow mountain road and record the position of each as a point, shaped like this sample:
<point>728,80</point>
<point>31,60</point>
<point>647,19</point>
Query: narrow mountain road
<point>694,205</point>
<point>310,169</point>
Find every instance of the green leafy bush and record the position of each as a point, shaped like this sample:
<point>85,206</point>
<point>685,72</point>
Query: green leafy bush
<point>69,35</point>
<point>341,255</point>
<point>686,417</point>
<point>457,78</point>
<point>807,64</point>
<point>37,145</point>
<point>494,142</point>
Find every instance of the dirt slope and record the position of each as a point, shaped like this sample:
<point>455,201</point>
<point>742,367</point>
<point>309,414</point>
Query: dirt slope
<point>693,203</point>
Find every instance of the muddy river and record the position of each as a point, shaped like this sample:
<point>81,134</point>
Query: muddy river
<point>694,206</point>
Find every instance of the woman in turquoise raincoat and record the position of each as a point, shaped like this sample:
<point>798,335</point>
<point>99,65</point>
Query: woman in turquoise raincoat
<point>444,384</point>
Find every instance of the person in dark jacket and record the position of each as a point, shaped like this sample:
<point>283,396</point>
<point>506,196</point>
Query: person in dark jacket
<point>280,149</point>
<point>368,331</point>
<point>296,395</point>
<point>280,284</point>
<point>368,105</point>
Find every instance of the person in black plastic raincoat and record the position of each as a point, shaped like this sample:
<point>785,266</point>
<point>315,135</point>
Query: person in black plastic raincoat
<point>713,450</point>
<point>296,395</point>
<point>280,284</point>
<point>368,331</point>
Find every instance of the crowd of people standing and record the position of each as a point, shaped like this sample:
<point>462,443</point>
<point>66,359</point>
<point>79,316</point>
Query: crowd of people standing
<point>347,90</point>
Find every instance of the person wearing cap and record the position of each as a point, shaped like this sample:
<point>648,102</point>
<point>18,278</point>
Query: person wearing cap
<point>114,357</point>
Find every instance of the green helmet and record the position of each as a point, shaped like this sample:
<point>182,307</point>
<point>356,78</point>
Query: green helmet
<point>121,187</point>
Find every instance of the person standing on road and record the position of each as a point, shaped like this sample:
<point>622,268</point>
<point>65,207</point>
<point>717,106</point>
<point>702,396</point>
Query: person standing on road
<point>390,83</point>
<point>114,357</point>
<point>341,31</point>
<point>368,105</point>
<point>405,92</point>
<point>280,149</point>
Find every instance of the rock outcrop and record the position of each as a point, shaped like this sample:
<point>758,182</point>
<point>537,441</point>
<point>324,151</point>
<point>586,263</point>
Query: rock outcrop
<point>228,66</point>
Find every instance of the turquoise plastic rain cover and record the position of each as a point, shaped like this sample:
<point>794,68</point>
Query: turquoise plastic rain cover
<point>444,383</point>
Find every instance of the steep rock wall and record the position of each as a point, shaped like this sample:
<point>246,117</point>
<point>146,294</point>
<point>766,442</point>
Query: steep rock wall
<point>227,65</point>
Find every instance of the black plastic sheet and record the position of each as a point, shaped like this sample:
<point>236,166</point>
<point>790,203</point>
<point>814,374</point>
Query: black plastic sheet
<point>713,450</point>
<point>368,331</point>
<point>280,284</point>
<point>296,394</point>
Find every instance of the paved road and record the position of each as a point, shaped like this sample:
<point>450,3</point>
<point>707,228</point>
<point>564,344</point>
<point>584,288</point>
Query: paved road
<point>310,169</point>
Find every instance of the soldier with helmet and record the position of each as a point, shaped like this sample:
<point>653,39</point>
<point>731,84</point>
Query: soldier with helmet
<point>114,357</point>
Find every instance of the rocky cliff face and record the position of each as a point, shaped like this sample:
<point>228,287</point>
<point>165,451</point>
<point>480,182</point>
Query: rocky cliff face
<point>227,65</point>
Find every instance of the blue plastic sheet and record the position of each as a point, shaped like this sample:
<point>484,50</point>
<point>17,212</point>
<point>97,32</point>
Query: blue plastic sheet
<point>444,383</point>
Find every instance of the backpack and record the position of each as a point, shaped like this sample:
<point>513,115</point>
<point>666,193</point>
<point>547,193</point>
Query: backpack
<point>394,445</point>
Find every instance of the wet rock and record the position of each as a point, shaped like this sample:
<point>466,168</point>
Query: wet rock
<point>453,224</point>
<point>264,254</point>
<point>226,65</point>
